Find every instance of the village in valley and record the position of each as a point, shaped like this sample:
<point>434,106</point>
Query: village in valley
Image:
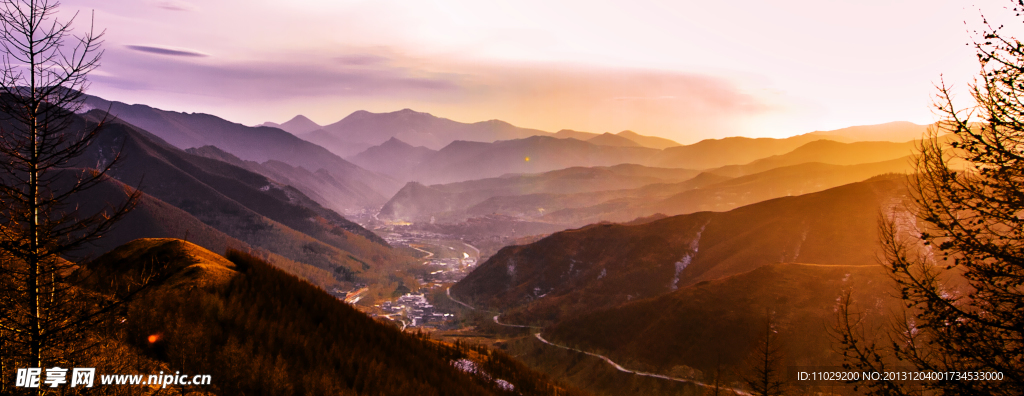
<point>446,260</point>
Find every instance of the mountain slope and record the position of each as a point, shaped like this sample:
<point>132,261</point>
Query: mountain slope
<point>556,208</point>
<point>245,205</point>
<point>608,139</point>
<point>715,324</point>
<point>578,135</point>
<point>419,202</point>
<point>151,218</point>
<point>714,153</point>
<point>215,316</point>
<point>826,152</point>
<point>463,160</point>
<point>362,188</point>
<point>648,141</point>
<point>609,264</point>
<point>728,194</point>
<point>285,174</point>
<point>898,132</point>
<point>394,158</point>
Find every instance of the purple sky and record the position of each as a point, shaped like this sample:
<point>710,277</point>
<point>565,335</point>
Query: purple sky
<point>685,70</point>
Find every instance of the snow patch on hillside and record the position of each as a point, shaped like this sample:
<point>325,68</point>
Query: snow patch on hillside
<point>511,270</point>
<point>687,257</point>
<point>803,238</point>
<point>504,385</point>
<point>469,366</point>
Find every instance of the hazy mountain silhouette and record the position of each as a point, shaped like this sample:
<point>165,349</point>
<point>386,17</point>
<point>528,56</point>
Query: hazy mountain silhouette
<point>724,195</point>
<point>362,188</point>
<point>451,201</point>
<point>553,208</point>
<point>363,129</point>
<point>608,139</point>
<point>640,140</point>
<point>714,153</point>
<point>578,135</point>
<point>824,151</point>
<point>393,157</point>
<point>321,186</point>
<point>295,126</point>
<point>464,160</point>
<point>898,131</point>
<point>648,141</point>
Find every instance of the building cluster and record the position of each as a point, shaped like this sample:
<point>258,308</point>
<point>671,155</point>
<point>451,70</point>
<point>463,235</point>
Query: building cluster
<point>417,309</point>
<point>409,236</point>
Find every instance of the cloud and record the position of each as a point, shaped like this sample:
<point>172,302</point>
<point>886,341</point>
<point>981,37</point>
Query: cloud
<point>175,5</point>
<point>303,75</point>
<point>682,106</point>
<point>361,59</point>
<point>166,51</point>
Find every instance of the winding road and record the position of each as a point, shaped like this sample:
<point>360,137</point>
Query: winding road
<point>617,366</point>
<point>429,254</point>
<point>640,373</point>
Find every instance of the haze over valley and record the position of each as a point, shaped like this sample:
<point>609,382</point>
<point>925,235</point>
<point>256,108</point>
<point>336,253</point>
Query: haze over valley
<point>510,198</point>
<point>562,230</point>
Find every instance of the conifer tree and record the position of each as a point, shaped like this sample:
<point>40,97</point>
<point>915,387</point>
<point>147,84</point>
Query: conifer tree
<point>43,68</point>
<point>959,266</point>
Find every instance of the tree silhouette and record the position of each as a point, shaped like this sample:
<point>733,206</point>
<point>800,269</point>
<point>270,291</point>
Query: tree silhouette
<point>764,374</point>
<point>959,266</point>
<point>43,74</point>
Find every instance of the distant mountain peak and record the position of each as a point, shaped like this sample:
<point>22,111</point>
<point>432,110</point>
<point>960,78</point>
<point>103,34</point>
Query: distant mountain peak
<point>298,125</point>
<point>611,139</point>
<point>394,141</point>
<point>300,118</point>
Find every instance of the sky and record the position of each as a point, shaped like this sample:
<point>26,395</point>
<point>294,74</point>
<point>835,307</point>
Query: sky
<point>685,70</point>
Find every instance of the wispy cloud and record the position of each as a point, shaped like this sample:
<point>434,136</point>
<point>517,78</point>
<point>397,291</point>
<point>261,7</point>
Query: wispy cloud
<point>166,51</point>
<point>173,5</point>
<point>361,59</point>
<point>302,75</point>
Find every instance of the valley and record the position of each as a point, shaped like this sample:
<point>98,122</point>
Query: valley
<point>444,198</point>
<point>601,263</point>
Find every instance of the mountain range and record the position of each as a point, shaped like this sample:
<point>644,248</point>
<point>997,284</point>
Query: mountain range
<point>362,129</point>
<point>605,265</point>
<point>243,205</point>
<point>465,160</point>
<point>716,194</point>
<point>349,187</point>
<point>624,192</point>
<point>451,201</point>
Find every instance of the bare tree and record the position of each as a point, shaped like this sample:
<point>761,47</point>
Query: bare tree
<point>42,77</point>
<point>960,270</point>
<point>764,373</point>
